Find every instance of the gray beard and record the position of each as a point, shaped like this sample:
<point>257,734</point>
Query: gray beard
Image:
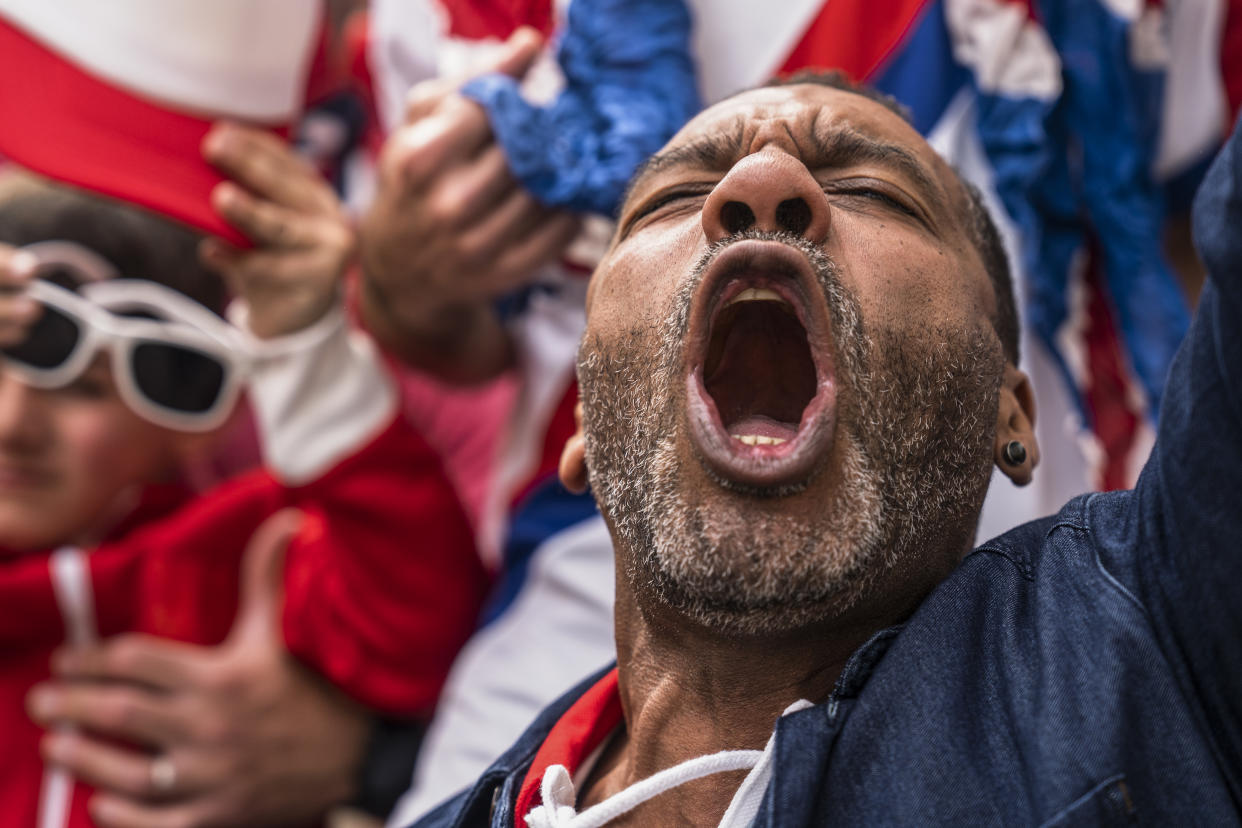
<point>915,423</point>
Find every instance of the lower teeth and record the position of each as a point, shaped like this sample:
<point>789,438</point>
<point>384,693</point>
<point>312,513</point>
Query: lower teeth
<point>759,439</point>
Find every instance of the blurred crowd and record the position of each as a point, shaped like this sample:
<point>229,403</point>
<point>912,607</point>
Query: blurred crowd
<point>290,302</point>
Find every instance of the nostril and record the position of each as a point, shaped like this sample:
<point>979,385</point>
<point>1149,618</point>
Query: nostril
<point>736,217</point>
<point>793,215</point>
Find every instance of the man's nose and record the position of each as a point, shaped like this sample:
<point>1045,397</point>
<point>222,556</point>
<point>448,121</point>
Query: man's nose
<point>770,191</point>
<point>22,425</point>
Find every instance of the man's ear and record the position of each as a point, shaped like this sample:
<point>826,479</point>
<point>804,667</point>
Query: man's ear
<point>1015,422</point>
<point>573,470</point>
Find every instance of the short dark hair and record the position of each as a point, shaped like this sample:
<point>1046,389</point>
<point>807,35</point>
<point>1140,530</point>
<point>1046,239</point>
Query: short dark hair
<point>140,244</point>
<point>978,220</point>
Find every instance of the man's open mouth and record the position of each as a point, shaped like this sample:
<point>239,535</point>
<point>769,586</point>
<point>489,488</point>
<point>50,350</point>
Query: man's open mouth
<point>760,375</point>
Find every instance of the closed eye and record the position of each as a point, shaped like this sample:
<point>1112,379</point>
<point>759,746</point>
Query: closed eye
<point>664,199</point>
<point>878,196</point>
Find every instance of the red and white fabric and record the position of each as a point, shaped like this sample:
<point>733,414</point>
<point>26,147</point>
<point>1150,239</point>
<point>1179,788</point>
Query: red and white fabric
<point>116,97</point>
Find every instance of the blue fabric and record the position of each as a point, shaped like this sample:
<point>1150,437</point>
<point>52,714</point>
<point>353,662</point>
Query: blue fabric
<point>1083,162</point>
<point>1113,114</point>
<point>1085,669</point>
<point>630,84</point>
<point>547,511</point>
<point>922,74</point>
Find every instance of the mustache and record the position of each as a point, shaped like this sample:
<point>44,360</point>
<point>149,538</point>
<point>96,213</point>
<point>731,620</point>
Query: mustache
<point>849,334</point>
<point>827,274</point>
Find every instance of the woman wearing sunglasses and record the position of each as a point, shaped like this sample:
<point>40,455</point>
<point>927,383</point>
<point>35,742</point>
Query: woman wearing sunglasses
<point>116,374</point>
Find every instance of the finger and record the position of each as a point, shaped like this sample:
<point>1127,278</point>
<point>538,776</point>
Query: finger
<point>423,98</point>
<point>18,308</point>
<point>100,764</point>
<point>124,711</point>
<point>111,811</point>
<point>265,223</point>
<point>514,58</point>
<point>134,657</point>
<point>415,154</point>
<point>463,198</point>
<point>541,247</point>
<point>17,268</point>
<point>11,335</point>
<point>18,313</point>
<point>518,215</point>
<point>253,156</point>
<point>262,580</point>
<point>518,54</point>
<point>267,165</point>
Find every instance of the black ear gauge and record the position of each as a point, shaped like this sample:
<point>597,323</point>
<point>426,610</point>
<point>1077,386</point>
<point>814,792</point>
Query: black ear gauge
<point>1014,453</point>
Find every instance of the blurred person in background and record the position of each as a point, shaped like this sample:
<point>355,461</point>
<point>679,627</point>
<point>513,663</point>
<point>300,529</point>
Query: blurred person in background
<point>102,408</point>
<point>119,374</point>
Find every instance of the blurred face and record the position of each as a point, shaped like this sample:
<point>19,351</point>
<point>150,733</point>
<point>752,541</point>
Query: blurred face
<point>72,459</point>
<point>789,374</point>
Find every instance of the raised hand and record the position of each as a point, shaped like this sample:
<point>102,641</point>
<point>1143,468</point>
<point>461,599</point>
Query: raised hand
<point>303,240</point>
<point>451,229</point>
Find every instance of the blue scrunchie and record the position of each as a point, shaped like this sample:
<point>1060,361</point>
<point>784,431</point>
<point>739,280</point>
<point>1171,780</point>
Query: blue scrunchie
<point>630,85</point>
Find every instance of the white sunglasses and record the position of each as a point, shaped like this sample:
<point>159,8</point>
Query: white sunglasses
<point>177,365</point>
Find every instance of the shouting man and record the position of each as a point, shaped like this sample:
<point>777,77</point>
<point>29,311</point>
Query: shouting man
<point>797,373</point>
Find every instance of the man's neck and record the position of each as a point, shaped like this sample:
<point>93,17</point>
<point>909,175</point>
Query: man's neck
<point>727,695</point>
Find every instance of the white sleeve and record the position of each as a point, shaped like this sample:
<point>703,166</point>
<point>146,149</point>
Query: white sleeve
<point>318,395</point>
<point>402,48</point>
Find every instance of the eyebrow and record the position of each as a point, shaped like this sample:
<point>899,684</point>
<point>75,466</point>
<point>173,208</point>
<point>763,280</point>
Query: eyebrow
<point>716,152</point>
<point>831,147</point>
<point>843,147</point>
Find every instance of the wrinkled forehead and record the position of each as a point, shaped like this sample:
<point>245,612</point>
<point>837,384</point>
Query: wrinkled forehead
<point>802,108</point>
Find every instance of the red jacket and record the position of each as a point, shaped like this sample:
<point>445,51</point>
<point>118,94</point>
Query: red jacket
<point>382,587</point>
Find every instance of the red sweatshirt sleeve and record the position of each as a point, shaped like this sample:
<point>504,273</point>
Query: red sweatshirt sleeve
<point>383,584</point>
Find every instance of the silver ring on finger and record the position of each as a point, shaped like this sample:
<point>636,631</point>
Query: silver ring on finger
<point>163,774</point>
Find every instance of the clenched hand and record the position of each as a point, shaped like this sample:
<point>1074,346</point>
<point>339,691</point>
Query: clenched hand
<point>303,240</point>
<point>451,229</point>
<point>244,734</point>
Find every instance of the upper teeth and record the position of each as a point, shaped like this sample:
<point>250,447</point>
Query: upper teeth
<point>757,295</point>
<point>759,439</point>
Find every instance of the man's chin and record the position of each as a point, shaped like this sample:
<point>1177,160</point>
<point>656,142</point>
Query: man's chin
<point>738,563</point>
<point>734,613</point>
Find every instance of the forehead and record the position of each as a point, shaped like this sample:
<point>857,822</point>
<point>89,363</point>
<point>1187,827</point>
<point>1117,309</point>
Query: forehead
<point>804,105</point>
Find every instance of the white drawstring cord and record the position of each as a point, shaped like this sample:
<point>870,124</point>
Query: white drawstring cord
<point>557,810</point>
<point>559,797</point>
<point>71,583</point>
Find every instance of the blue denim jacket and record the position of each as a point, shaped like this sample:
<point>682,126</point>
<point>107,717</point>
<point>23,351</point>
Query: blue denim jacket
<point>1084,669</point>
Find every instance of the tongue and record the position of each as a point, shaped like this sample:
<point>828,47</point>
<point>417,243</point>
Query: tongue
<point>759,370</point>
<point>763,427</point>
